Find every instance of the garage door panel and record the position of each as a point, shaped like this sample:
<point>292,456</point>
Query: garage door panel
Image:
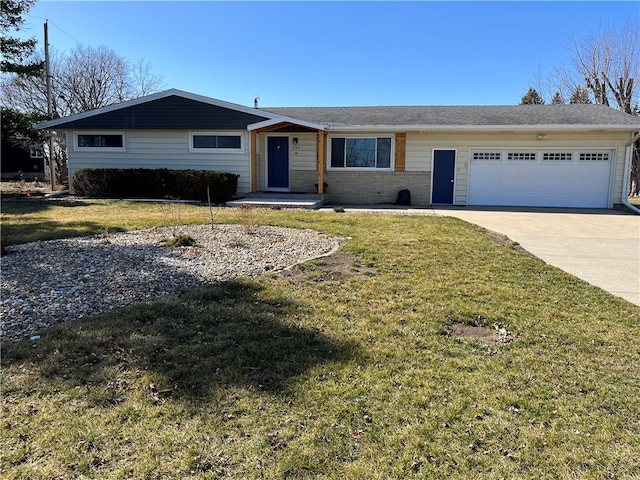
<point>561,185</point>
<point>552,179</point>
<point>519,184</point>
<point>589,185</point>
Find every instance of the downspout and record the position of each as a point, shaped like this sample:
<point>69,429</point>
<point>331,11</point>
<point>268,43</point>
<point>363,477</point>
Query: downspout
<point>627,172</point>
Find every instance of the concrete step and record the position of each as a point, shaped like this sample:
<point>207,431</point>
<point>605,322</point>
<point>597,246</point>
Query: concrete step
<point>311,201</point>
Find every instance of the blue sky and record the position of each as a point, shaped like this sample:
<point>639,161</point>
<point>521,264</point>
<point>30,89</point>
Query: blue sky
<point>336,53</point>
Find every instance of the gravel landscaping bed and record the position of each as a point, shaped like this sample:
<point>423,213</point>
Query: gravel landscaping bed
<point>45,283</point>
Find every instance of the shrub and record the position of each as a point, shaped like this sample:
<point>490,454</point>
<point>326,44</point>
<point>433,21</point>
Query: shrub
<point>181,241</point>
<point>155,183</point>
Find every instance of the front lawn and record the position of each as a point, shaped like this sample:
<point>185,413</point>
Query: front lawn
<point>362,365</point>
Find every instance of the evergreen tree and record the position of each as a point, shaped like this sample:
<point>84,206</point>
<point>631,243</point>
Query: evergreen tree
<point>580,95</point>
<point>15,52</point>
<point>17,128</point>
<point>532,98</point>
<point>557,99</point>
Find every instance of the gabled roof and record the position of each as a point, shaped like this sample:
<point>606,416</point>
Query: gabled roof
<point>179,110</point>
<point>424,118</point>
<point>171,109</point>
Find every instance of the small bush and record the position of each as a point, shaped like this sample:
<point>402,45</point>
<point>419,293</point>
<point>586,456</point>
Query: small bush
<point>181,241</point>
<point>155,183</point>
<point>248,217</point>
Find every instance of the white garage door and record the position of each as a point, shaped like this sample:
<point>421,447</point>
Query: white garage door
<point>540,178</point>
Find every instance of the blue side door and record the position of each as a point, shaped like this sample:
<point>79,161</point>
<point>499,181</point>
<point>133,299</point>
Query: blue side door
<point>278,162</point>
<point>444,167</point>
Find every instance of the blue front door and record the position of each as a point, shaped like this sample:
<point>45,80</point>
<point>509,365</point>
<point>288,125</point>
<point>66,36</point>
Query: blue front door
<point>444,167</point>
<point>278,162</point>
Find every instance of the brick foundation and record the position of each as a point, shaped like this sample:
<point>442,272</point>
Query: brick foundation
<point>376,187</point>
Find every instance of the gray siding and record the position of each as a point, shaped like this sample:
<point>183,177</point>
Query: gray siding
<point>162,149</point>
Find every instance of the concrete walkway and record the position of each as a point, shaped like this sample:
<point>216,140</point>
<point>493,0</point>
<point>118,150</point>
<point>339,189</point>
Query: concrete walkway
<point>601,247</point>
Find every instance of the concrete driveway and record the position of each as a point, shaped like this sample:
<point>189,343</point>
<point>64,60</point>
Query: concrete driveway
<point>601,247</point>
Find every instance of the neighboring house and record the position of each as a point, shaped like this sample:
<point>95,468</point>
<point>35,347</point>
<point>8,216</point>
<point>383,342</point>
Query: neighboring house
<point>522,155</point>
<point>18,163</point>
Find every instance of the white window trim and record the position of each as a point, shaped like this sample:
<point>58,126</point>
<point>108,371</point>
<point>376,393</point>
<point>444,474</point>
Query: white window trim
<point>391,167</point>
<point>216,150</point>
<point>35,152</point>
<point>98,149</point>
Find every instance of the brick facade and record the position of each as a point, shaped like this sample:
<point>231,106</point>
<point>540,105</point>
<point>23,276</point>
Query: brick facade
<point>376,187</point>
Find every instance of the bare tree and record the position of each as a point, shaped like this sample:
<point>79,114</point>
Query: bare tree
<point>607,65</point>
<point>85,79</point>
<point>29,94</point>
<point>608,62</point>
<point>94,77</point>
<point>144,81</point>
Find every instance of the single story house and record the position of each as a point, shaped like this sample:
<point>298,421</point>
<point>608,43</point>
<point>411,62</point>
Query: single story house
<point>21,163</point>
<point>521,155</point>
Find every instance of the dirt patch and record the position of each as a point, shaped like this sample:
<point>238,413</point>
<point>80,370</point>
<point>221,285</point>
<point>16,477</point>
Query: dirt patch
<point>500,239</point>
<point>484,335</point>
<point>24,189</point>
<point>336,267</point>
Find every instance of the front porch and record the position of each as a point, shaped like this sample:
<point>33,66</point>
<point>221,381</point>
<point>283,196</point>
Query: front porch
<point>287,157</point>
<point>266,199</point>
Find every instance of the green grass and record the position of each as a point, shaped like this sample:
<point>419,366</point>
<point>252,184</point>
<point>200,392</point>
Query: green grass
<point>634,201</point>
<point>27,221</point>
<point>334,373</point>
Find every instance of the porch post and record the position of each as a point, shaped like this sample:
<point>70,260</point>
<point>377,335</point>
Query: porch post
<point>320,162</point>
<point>254,161</point>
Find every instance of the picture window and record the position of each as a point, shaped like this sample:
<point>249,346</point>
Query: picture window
<point>361,152</point>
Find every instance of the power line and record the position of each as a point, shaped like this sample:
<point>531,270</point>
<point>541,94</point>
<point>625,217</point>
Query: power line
<point>51,23</point>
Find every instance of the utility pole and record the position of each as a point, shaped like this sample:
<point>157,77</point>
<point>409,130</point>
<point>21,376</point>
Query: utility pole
<point>47,67</point>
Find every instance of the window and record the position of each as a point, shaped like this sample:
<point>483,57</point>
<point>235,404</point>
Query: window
<point>361,152</point>
<point>91,141</point>
<point>594,157</point>
<point>214,142</point>
<point>35,152</point>
<point>522,156</point>
<point>557,157</point>
<point>486,156</point>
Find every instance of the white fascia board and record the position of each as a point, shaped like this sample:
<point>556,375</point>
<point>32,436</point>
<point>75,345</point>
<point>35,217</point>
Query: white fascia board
<point>478,128</point>
<point>279,119</point>
<point>149,98</point>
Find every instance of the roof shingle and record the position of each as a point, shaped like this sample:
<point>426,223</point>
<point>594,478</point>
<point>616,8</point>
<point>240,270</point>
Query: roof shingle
<point>509,115</point>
